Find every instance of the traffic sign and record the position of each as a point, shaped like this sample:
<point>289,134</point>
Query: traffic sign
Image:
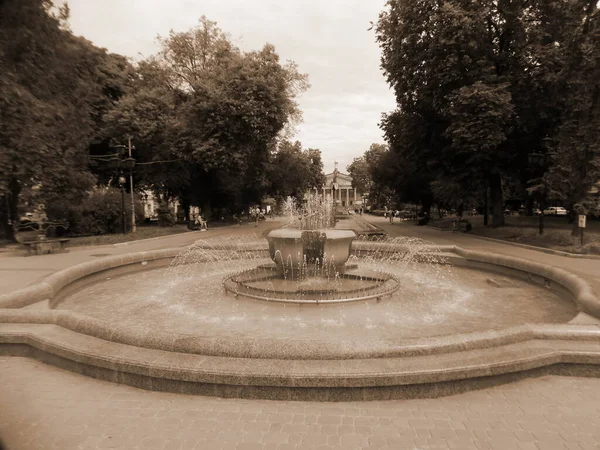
<point>582,221</point>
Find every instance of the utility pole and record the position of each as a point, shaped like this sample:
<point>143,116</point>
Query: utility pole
<point>133,227</point>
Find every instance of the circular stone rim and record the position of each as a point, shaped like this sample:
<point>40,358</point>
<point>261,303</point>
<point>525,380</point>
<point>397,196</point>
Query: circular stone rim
<point>229,284</point>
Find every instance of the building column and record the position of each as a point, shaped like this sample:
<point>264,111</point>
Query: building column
<point>355,196</point>
<point>347,197</point>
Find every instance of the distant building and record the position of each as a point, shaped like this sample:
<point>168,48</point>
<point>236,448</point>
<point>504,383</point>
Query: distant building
<point>339,185</point>
<point>151,205</point>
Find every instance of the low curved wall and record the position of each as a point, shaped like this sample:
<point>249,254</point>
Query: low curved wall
<point>54,283</point>
<point>581,290</point>
<point>285,369</point>
<point>53,287</point>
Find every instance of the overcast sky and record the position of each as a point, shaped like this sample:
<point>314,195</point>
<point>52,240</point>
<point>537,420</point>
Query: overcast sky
<point>327,38</point>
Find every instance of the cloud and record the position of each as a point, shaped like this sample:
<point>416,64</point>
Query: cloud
<point>327,38</point>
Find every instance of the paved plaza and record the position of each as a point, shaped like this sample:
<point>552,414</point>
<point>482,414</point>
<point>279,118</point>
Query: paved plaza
<point>44,407</point>
<point>47,408</point>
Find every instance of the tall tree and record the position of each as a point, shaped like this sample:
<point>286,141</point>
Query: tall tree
<point>223,109</point>
<point>294,171</point>
<point>51,92</point>
<point>479,85</point>
<point>372,173</point>
<point>576,165</point>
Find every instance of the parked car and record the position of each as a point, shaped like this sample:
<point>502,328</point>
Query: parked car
<point>555,211</point>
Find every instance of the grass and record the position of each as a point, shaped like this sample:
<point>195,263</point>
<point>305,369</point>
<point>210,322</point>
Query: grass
<point>554,239</point>
<point>524,230</point>
<point>143,232</point>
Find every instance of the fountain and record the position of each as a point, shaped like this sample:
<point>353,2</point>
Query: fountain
<point>310,258</point>
<point>312,312</point>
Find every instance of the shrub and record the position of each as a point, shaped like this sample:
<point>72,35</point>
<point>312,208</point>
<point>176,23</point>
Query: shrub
<point>166,218</point>
<point>99,213</point>
<point>592,248</point>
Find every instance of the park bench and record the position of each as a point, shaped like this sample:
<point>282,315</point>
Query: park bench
<point>41,246</point>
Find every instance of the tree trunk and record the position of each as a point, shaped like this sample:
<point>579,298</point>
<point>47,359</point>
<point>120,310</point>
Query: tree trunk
<point>572,215</point>
<point>6,228</point>
<point>486,207</point>
<point>184,202</point>
<point>9,215</point>
<point>496,199</point>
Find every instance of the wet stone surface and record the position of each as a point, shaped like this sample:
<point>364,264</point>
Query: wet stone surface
<point>432,300</point>
<point>43,407</point>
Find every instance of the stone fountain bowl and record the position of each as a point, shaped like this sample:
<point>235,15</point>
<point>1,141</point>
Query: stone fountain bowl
<point>290,248</point>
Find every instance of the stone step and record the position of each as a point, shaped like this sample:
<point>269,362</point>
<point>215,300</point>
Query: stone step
<point>143,366</point>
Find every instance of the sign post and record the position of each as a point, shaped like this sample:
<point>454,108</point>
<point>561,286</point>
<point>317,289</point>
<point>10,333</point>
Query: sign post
<point>582,218</point>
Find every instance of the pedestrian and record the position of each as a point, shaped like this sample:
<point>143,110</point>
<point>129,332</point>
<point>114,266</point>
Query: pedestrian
<point>203,224</point>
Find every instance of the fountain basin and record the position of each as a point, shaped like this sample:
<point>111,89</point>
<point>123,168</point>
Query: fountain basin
<point>313,360</point>
<point>301,253</point>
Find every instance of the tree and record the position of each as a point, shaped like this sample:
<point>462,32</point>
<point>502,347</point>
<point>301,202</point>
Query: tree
<point>215,109</point>
<point>51,92</point>
<point>361,177</point>
<point>479,85</point>
<point>294,171</point>
<point>576,165</point>
<point>372,174</point>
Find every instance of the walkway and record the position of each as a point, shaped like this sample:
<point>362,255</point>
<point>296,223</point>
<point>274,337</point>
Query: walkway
<point>586,268</point>
<point>17,271</point>
<point>43,407</point>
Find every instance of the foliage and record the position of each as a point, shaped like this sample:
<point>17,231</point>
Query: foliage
<point>373,174</point>
<point>576,166</point>
<point>480,84</point>
<point>166,218</point>
<point>98,213</point>
<point>214,112</point>
<point>54,88</point>
<point>293,171</point>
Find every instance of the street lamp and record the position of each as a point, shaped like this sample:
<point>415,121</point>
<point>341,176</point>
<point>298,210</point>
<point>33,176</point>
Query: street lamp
<point>120,164</point>
<point>127,164</point>
<point>122,181</point>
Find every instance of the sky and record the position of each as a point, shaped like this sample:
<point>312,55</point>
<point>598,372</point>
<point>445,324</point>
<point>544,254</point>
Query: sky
<point>328,39</point>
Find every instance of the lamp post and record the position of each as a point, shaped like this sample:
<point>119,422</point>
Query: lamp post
<point>130,162</point>
<point>119,165</point>
<point>122,182</point>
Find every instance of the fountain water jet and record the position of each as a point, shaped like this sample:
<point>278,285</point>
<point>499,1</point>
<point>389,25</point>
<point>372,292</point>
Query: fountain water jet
<point>310,258</point>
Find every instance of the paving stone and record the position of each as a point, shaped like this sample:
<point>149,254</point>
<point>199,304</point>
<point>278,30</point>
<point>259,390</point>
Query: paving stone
<point>47,405</point>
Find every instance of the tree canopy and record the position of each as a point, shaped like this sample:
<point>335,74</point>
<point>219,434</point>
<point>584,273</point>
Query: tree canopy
<point>212,109</point>
<point>293,171</point>
<point>54,89</point>
<point>480,85</point>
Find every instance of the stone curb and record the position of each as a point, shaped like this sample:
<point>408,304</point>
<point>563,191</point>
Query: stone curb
<point>529,247</point>
<point>58,280</point>
<point>371,228</point>
<point>539,249</point>
<point>297,380</point>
